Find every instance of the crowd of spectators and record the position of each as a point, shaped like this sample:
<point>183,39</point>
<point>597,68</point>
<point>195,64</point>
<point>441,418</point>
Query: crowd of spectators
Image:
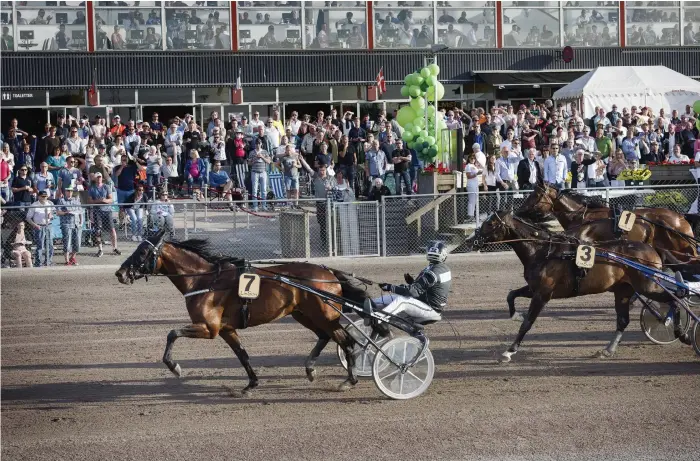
<point>139,165</point>
<point>514,149</point>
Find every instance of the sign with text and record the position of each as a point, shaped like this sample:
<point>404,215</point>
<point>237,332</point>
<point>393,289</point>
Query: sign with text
<point>23,98</point>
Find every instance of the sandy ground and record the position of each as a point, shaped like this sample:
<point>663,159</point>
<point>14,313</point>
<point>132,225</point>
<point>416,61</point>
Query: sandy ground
<point>82,379</point>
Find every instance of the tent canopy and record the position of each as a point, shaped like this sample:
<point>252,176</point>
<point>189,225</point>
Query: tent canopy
<point>654,86</point>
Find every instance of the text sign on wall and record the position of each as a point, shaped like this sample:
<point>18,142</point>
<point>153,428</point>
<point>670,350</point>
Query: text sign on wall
<point>23,98</point>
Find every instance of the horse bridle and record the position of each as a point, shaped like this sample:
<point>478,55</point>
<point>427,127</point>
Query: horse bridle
<point>145,269</point>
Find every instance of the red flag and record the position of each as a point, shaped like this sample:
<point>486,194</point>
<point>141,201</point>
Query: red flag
<point>381,82</point>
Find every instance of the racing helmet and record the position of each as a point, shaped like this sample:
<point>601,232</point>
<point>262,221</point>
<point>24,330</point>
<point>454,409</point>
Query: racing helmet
<point>437,252</point>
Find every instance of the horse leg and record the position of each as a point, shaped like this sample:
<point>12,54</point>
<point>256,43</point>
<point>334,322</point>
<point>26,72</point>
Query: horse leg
<point>347,342</point>
<point>536,305</point>
<point>232,339</point>
<point>323,339</point>
<point>524,292</point>
<point>623,296</point>
<point>198,330</point>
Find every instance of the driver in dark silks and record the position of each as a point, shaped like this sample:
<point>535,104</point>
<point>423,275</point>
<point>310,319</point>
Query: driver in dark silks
<point>423,299</point>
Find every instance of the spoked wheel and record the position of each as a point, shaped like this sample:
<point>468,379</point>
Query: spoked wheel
<point>657,327</point>
<point>399,384</point>
<point>696,338</point>
<point>364,353</point>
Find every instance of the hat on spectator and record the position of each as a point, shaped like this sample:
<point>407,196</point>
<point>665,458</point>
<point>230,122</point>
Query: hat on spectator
<point>69,187</point>
<point>44,193</point>
<point>117,116</point>
<point>98,175</point>
<point>532,101</point>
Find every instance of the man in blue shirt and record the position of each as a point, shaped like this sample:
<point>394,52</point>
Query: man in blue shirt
<point>125,173</point>
<point>101,194</point>
<point>220,180</point>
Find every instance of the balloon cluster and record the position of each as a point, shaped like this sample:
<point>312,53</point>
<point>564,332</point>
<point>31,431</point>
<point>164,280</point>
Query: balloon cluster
<point>422,87</point>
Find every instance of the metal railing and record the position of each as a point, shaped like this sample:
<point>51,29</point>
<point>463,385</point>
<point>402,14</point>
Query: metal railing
<point>398,225</point>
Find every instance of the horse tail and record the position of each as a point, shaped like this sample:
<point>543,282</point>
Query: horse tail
<point>353,289</point>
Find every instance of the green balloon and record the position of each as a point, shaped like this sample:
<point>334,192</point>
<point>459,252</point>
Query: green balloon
<point>425,151</point>
<point>433,90</point>
<point>414,91</point>
<point>419,123</point>
<point>432,80</point>
<point>417,103</point>
<point>405,115</point>
<point>404,91</point>
<point>432,151</point>
<point>696,107</point>
<point>434,69</point>
<point>425,72</point>
<point>408,127</point>
<point>424,86</point>
<point>418,80</point>
<point>407,136</point>
<point>430,140</point>
<point>420,113</point>
<point>424,133</point>
<point>408,79</point>
<point>419,140</point>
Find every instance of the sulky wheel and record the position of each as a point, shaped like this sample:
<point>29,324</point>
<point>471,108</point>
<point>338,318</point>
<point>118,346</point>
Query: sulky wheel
<point>364,353</point>
<point>397,383</point>
<point>657,327</point>
<point>696,338</point>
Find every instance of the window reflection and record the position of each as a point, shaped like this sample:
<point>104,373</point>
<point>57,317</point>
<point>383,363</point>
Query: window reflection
<point>691,29</point>
<point>51,28</point>
<point>128,28</point>
<point>334,27</point>
<point>197,25</point>
<point>653,24</point>
<point>271,27</point>
<point>467,24</point>
<point>7,41</point>
<point>531,27</point>
<point>403,26</point>
<point>591,26</point>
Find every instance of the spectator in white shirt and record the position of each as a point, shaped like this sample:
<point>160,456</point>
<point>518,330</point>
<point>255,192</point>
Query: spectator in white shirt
<point>677,157</point>
<point>555,168</point>
<point>76,144</point>
<point>39,216</point>
<point>294,123</point>
<point>506,166</point>
<point>164,211</point>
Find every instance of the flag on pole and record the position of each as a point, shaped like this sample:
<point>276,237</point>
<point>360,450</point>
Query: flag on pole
<point>238,80</point>
<point>381,82</point>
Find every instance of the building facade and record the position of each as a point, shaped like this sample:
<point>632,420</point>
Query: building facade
<point>185,56</point>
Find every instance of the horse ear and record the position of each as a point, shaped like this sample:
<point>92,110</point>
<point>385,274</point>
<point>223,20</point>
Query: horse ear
<point>158,237</point>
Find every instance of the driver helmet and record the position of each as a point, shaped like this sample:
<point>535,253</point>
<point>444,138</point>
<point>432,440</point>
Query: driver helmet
<point>437,252</point>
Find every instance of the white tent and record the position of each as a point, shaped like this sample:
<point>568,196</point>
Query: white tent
<point>654,86</point>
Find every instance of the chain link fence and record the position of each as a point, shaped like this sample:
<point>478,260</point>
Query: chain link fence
<point>46,235</point>
<point>409,223</point>
<point>396,226</point>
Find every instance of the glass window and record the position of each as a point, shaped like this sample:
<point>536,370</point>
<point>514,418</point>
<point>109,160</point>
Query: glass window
<point>531,27</point>
<point>198,26</point>
<point>591,26</point>
<point>51,28</point>
<point>236,111</point>
<point>112,96</point>
<point>349,93</point>
<point>335,26</point>
<point>271,27</point>
<point>467,24</point>
<point>67,98</point>
<point>691,29</point>
<point>259,94</point>
<point>212,95</point>
<point>305,93</point>
<point>128,27</point>
<point>393,92</point>
<point>402,27</point>
<point>165,96</point>
<point>653,23</point>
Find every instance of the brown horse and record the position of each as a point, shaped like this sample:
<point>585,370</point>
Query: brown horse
<point>551,273</point>
<point>213,304</point>
<point>592,220</point>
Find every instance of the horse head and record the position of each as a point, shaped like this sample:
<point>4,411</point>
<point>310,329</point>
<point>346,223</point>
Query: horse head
<point>144,261</point>
<point>539,204</point>
<point>495,228</point>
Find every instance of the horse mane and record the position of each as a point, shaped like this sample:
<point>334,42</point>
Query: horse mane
<point>201,248</point>
<point>545,232</point>
<point>590,201</point>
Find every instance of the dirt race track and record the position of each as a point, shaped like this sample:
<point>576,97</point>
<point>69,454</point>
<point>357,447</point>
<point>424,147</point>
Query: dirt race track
<point>82,379</point>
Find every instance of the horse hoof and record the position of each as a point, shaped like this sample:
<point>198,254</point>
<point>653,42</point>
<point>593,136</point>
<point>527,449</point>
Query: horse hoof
<point>518,317</point>
<point>505,357</point>
<point>604,354</point>
<point>177,371</point>
<point>345,386</point>
<point>685,339</point>
<point>311,374</point>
